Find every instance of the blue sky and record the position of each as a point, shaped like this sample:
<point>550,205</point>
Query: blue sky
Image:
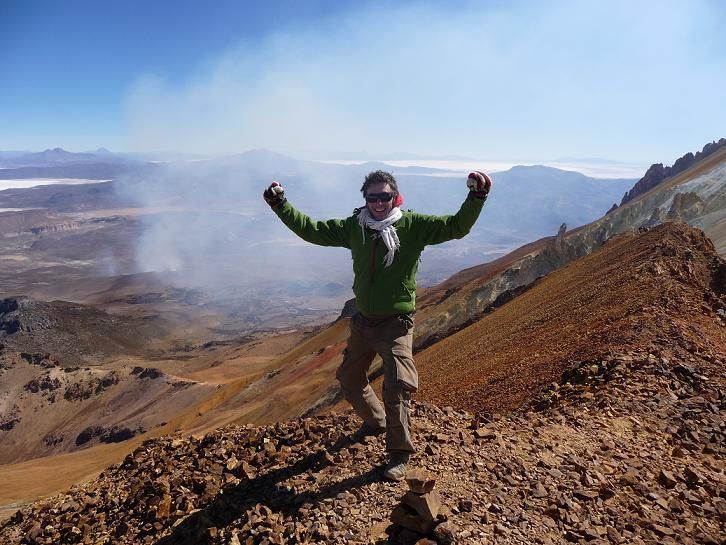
<point>626,80</point>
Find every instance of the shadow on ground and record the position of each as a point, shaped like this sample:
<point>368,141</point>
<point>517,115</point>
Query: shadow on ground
<point>233,502</point>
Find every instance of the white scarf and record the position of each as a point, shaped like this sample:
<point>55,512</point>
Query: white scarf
<point>385,228</point>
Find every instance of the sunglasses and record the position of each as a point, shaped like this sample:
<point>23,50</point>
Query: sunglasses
<point>375,197</point>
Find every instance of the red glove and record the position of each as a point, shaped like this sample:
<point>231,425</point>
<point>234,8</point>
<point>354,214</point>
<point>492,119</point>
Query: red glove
<point>479,184</point>
<point>274,195</point>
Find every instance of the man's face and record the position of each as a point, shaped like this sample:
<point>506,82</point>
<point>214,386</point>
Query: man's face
<point>380,208</point>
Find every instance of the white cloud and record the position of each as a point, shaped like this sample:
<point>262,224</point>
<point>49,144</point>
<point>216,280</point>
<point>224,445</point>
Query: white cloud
<point>518,80</point>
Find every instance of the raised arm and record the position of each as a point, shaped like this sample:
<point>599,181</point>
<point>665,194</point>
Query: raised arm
<point>323,233</point>
<point>438,229</point>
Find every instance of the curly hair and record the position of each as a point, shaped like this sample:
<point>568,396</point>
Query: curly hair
<point>379,176</point>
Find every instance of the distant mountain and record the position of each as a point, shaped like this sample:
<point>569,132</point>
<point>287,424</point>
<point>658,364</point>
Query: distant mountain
<point>101,152</point>
<point>10,154</point>
<point>88,171</point>
<point>552,196</point>
<point>59,156</point>
<point>387,156</point>
<point>165,156</point>
<point>591,160</point>
<point>333,189</point>
<point>536,197</point>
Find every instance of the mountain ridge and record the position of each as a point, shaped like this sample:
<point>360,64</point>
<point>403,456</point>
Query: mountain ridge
<point>657,173</point>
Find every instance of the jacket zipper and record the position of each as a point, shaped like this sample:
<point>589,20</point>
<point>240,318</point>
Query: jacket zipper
<point>374,245</point>
<point>373,259</point>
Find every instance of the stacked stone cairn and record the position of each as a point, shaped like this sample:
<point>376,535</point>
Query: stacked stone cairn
<point>421,516</point>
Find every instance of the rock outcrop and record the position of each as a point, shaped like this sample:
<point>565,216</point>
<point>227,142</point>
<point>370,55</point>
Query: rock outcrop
<point>657,173</point>
<point>70,331</point>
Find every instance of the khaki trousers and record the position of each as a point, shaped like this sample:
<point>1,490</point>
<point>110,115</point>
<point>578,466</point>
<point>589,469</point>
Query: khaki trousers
<point>392,338</point>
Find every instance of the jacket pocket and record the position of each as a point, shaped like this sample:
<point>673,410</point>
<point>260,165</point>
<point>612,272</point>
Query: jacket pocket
<point>407,293</point>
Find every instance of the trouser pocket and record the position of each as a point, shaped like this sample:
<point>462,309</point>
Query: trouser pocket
<point>405,369</point>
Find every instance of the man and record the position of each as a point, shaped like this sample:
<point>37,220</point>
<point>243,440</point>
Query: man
<point>386,244</point>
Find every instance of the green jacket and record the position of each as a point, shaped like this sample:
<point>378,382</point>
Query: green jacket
<point>379,289</point>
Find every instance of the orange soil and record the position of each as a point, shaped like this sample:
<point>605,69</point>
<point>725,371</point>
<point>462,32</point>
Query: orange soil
<point>613,299</point>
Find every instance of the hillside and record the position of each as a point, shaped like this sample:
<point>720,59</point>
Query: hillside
<point>75,334</point>
<point>622,443</point>
<point>618,298</point>
<point>696,196</point>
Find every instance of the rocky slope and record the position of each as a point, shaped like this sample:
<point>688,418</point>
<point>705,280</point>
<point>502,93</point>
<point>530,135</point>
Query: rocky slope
<point>619,440</point>
<point>639,288</point>
<point>624,450</point>
<point>73,376</point>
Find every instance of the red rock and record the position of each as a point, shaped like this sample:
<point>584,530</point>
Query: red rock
<point>613,535</point>
<point>667,479</point>
<point>662,530</point>
<point>164,507</point>
<point>407,517</point>
<point>444,533</point>
<point>692,476</point>
<point>539,491</point>
<point>232,463</point>
<point>585,494</point>
<point>420,481</point>
<point>426,505</point>
<point>485,433</point>
<point>606,493</point>
<point>34,533</point>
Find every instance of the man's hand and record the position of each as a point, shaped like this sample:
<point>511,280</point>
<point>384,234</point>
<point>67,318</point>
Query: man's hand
<point>274,195</point>
<point>479,184</point>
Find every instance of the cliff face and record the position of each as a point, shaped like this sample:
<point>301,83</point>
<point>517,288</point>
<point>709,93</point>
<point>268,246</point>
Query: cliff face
<point>657,173</point>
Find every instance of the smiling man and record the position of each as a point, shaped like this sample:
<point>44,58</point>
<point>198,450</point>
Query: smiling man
<point>386,244</point>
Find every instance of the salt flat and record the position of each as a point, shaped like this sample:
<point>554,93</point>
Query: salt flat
<point>35,182</point>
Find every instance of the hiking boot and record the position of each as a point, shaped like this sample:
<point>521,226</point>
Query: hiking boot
<point>396,468</point>
<point>366,430</point>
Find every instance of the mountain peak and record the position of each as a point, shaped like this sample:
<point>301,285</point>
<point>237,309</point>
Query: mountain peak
<point>657,173</point>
